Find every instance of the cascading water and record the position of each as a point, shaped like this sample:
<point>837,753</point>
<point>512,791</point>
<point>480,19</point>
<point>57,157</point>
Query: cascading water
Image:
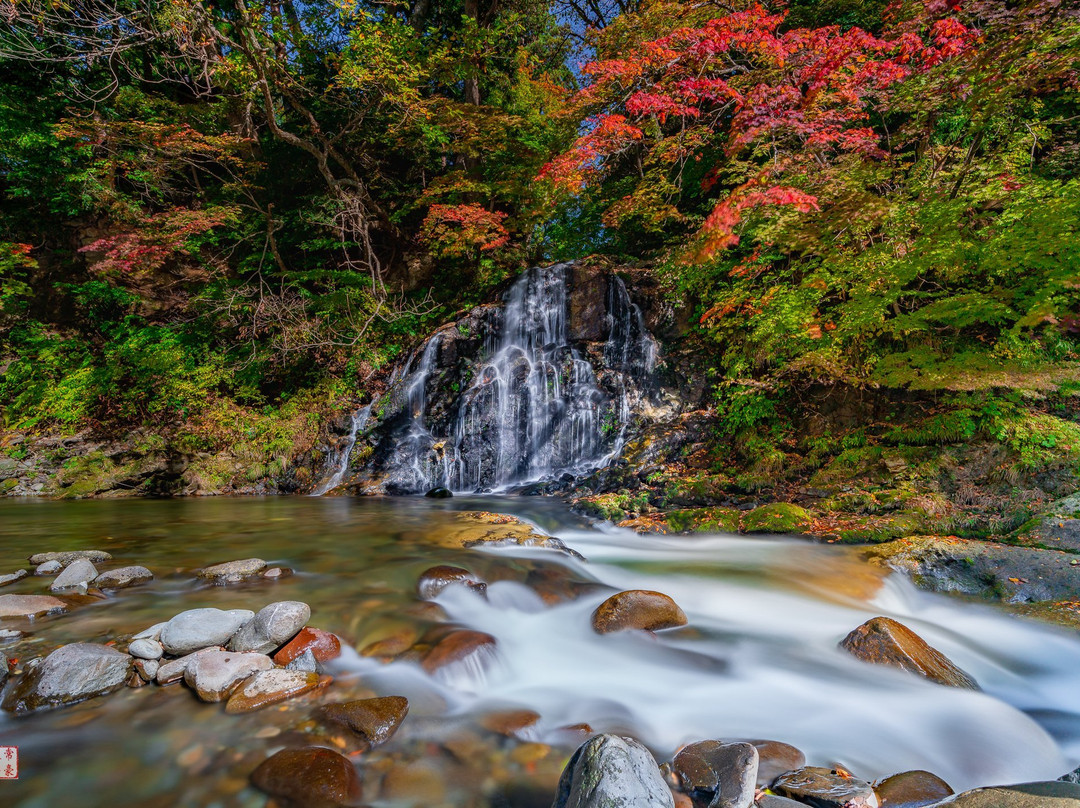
<point>534,408</point>
<point>338,464</point>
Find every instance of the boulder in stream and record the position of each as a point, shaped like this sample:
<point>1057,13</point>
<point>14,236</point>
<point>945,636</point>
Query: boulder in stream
<point>65,558</point>
<point>201,628</point>
<point>70,674</point>
<point>231,572</point>
<point>29,605</point>
<point>883,641</point>
<point>637,609</point>
<point>914,789</point>
<point>309,777</point>
<point>272,627</point>
<point>1052,794</point>
<point>716,774</point>
<point>11,578</point>
<point>78,574</point>
<point>214,675</point>
<point>123,577</point>
<point>610,771</point>
<point>322,645</point>
<point>439,493</point>
<point>270,687</point>
<point>374,720</point>
<point>459,646</point>
<point>825,788</point>
<point>436,579</point>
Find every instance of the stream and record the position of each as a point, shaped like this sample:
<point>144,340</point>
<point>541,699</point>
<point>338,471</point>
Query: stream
<point>757,660</point>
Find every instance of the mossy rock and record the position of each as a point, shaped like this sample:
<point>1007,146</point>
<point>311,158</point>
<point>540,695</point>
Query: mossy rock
<point>779,517</point>
<point>878,529</point>
<point>703,520</point>
<point>696,490</point>
<point>8,484</point>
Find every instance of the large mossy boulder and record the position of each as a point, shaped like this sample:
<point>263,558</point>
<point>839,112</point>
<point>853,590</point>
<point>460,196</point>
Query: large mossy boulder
<point>779,517</point>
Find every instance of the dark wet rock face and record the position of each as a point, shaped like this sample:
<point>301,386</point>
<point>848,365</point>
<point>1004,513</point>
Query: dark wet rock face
<point>825,788</point>
<point>609,771</point>
<point>882,641</point>
<point>311,777</point>
<point>637,609</point>
<point>1055,794</point>
<point>439,493</point>
<point>914,789</point>
<point>716,774</point>
<point>374,720</point>
<point>436,579</point>
<point>70,674</point>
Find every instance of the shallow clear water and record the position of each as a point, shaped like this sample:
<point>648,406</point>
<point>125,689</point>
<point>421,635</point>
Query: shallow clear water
<point>758,658</point>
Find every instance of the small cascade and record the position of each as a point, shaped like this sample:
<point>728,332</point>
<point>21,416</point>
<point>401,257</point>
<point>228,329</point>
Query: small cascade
<point>533,407</point>
<point>338,463</point>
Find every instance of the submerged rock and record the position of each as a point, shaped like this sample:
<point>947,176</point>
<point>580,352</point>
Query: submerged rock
<point>374,720</point>
<point>716,774</point>
<point>201,628</point>
<point>825,788</point>
<point>123,577</point>
<point>48,568</point>
<point>533,541</point>
<point>18,575</point>
<point>65,558</point>
<point>914,789</point>
<point>637,609</point>
<point>322,645</point>
<point>436,579</point>
<point>1053,794</point>
<point>269,687</point>
<point>609,771</point>
<point>310,777</point>
<point>458,646</point>
<point>883,641</point>
<point>232,571</point>
<point>79,573</point>
<point>214,675</point>
<point>29,605</point>
<point>70,674</point>
<point>439,493</point>
<point>273,626</point>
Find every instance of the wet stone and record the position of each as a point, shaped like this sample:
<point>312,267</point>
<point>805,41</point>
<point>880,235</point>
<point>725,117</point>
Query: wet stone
<point>146,649</point>
<point>509,722</point>
<point>436,579</point>
<point>716,774</point>
<point>637,609</point>
<point>914,789</point>
<point>609,771</point>
<point>323,645</point>
<point>882,641</point>
<point>774,801</point>
<point>232,571</point>
<point>1053,794</point>
<point>374,720</point>
<point>70,674</point>
<point>147,668</point>
<point>310,777</point>
<point>306,663</point>
<point>152,633</point>
<point>79,573</point>
<point>123,577</point>
<point>775,758</point>
<point>200,628</point>
<point>825,788</point>
<point>439,493</point>
<point>65,558</point>
<point>5,667</point>
<point>458,646</point>
<point>214,675</point>
<point>270,687</point>
<point>11,578</point>
<point>173,670</point>
<point>48,568</point>
<point>272,626</point>
<point>29,605</point>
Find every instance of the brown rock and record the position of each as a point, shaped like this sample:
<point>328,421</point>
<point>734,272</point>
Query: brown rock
<point>825,788</point>
<point>374,720</point>
<point>456,646</point>
<point>270,687</point>
<point>718,774</point>
<point>29,605</point>
<point>397,643</point>
<point>436,579</point>
<point>637,609</point>
<point>416,783</point>
<point>322,644</point>
<point>775,758</point>
<point>882,641</point>
<point>915,789</point>
<point>310,777</point>
<point>509,722</point>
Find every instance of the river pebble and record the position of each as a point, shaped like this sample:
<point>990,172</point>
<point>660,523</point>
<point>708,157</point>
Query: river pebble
<point>70,674</point>
<point>883,641</point>
<point>232,571</point>
<point>200,628</point>
<point>373,720</point>
<point>147,668</point>
<point>152,633</point>
<point>609,771</point>
<point>323,645</point>
<point>637,609</point>
<point>29,605</point>
<point>914,789</point>
<point>775,758</point>
<point>123,577</point>
<point>65,558</point>
<point>269,687</point>
<point>825,788</point>
<point>310,776</point>
<point>78,574</point>
<point>214,675</point>
<point>11,578</point>
<point>436,579</point>
<point>458,646</point>
<point>146,649</point>
<point>173,670</point>
<point>721,775</point>
<point>273,626</point>
<point>48,568</point>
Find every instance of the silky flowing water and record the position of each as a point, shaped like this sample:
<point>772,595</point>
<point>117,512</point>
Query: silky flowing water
<point>757,660</point>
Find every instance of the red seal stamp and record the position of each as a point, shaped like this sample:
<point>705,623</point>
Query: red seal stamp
<point>9,763</point>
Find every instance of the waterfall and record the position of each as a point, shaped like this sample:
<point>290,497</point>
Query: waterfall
<point>338,463</point>
<point>533,407</point>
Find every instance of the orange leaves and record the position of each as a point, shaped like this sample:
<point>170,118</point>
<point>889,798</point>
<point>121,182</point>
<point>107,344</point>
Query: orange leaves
<point>459,230</point>
<point>719,227</point>
<point>571,170</point>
